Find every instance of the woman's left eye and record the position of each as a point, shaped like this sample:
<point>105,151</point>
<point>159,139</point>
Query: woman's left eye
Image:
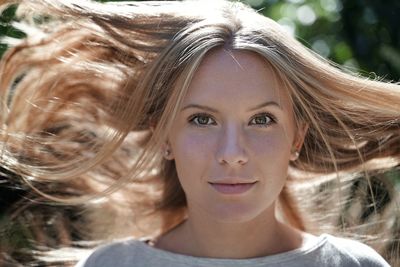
<point>263,119</point>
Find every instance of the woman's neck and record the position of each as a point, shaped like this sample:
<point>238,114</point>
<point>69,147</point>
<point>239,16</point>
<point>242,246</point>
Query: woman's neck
<point>204,237</point>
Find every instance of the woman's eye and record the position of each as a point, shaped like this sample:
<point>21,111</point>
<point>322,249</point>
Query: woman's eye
<point>205,119</point>
<point>201,119</point>
<point>263,120</point>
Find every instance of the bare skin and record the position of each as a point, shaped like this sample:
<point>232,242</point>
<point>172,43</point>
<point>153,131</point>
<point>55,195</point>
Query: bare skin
<point>220,243</point>
<point>236,136</point>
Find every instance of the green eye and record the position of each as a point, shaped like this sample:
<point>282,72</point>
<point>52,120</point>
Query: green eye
<point>263,119</point>
<point>201,119</point>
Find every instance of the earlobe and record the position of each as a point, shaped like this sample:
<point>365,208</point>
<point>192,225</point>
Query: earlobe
<point>167,151</point>
<point>168,154</point>
<point>295,155</point>
<point>298,142</point>
<point>165,147</point>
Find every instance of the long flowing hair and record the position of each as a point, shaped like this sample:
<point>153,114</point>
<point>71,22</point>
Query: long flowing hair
<point>89,96</point>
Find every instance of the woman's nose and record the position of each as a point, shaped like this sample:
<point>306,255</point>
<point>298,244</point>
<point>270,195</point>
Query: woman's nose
<point>231,148</point>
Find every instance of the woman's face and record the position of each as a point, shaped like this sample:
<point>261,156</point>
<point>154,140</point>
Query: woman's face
<point>236,125</point>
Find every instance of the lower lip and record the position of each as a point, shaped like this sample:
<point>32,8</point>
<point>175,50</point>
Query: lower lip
<point>232,188</point>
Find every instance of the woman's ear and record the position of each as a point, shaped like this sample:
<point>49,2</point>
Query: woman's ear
<point>298,140</point>
<point>167,151</point>
<point>165,147</point>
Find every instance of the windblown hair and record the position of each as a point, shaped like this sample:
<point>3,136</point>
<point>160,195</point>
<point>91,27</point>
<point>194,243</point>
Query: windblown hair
<point>89,96</point>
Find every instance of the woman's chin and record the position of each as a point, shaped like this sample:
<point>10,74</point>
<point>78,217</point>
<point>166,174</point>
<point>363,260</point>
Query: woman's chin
<point>234,213</point>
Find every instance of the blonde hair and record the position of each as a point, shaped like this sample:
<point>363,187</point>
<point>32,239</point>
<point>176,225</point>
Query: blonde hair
<point>88,98</point>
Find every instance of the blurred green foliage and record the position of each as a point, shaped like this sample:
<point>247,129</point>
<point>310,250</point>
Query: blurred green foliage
<point>14,234</point>
<point>361,35</point>
<point>6,30</point>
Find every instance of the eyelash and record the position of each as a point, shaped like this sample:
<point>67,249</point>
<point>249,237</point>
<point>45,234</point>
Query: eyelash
<point>192,118</point>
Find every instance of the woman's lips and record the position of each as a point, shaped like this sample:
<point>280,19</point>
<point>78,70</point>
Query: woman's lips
<point>232,188</point>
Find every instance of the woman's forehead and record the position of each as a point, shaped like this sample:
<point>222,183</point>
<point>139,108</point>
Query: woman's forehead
<point>241,76</point>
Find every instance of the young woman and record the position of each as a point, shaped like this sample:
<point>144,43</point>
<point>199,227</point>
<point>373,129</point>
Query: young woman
<point>206,114</point>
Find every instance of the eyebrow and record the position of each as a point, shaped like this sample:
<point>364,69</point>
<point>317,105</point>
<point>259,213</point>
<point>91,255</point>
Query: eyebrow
<point>264,104</point>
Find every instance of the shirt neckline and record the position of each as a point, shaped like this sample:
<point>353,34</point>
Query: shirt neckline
<point>314,243</point>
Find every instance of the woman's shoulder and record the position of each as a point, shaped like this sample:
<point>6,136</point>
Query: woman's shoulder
<point>123,251</point>
<point>352,251</point>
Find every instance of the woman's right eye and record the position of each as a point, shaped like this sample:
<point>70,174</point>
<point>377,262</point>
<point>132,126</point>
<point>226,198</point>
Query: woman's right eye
<point>201,119</point>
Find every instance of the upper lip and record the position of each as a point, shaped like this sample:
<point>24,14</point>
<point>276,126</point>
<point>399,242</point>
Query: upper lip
<point>232,180</point>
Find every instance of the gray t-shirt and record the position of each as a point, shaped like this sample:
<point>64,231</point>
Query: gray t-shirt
<point>324,250</point>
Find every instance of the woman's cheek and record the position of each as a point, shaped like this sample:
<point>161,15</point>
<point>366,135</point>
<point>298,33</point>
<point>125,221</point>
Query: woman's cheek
<point>267,144</point>
<point>193,153</point>
<point>195,145</point>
